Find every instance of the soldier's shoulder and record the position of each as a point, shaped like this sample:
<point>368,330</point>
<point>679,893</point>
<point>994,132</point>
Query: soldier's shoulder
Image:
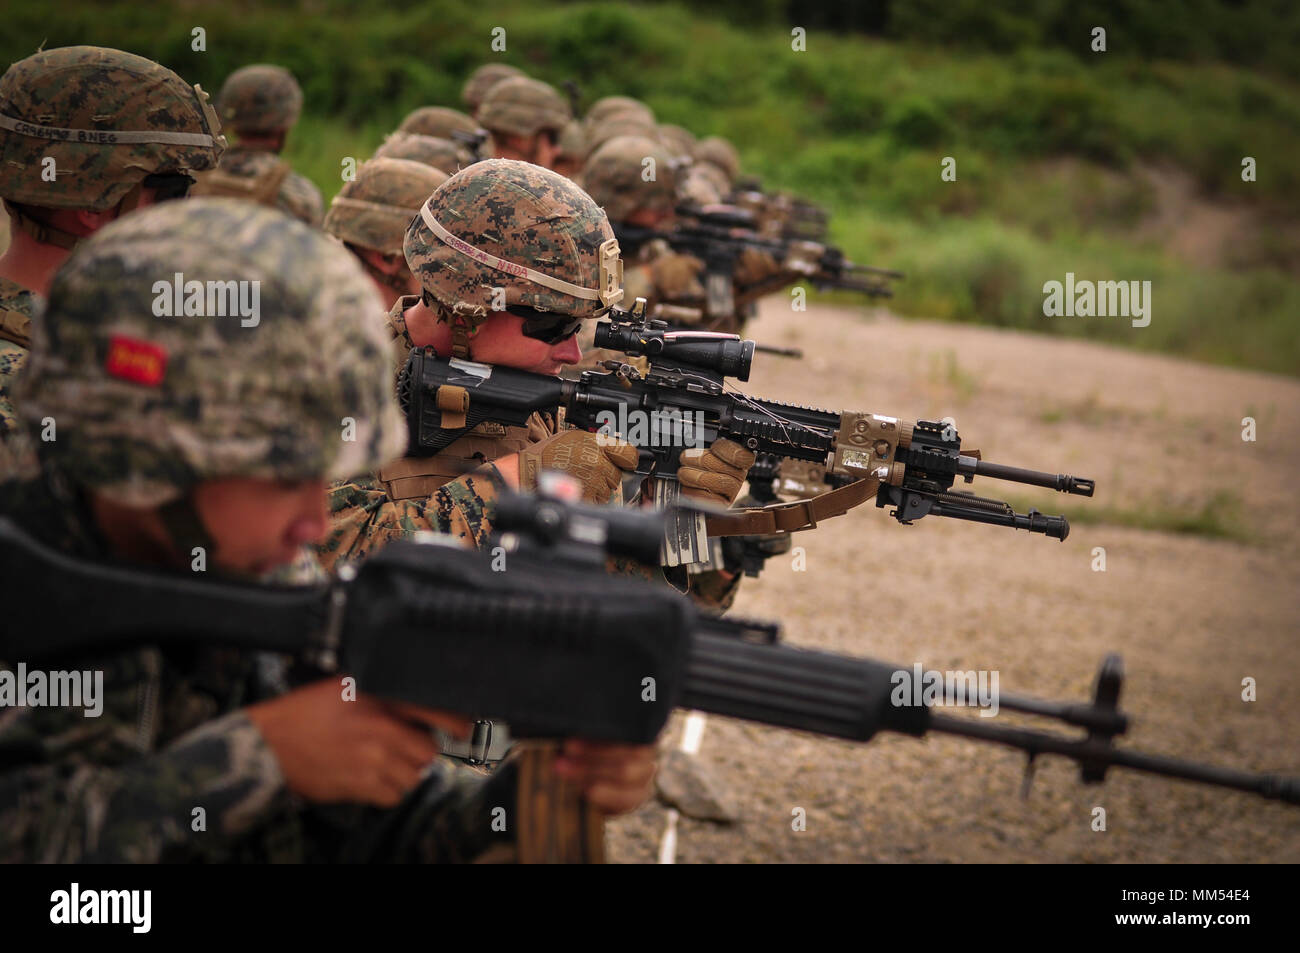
<point>301,199</point>
<point>16,297</point>
<point>12,357</point>
<point>247,162</point>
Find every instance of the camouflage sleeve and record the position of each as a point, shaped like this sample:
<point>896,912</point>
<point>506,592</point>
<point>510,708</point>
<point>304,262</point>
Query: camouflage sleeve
<point>144,810</point>
<point>456,815</point>
<point>12,357</point>
<point>465,508</point>
<point>363,518</point>
<point>301,199</point>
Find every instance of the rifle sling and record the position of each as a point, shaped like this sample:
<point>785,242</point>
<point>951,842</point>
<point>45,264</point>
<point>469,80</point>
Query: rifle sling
<point>789,517</point>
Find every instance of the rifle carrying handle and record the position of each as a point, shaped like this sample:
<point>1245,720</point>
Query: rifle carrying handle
<point>556,825</point>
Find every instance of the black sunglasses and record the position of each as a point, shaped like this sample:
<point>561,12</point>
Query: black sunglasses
<point>545,326</point>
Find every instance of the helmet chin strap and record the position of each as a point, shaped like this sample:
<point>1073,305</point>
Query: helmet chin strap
<point>185,527</point>
<point>48,234</point>
<point>40,231</point>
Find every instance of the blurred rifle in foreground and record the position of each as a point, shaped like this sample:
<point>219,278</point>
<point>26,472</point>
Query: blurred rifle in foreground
<point>553,645</point>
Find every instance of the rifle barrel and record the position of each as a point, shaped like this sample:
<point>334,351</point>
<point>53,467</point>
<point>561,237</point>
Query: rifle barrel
<point>1063,482</point>
<point>1093,752</point>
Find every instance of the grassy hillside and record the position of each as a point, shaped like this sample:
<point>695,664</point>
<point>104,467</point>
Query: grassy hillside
<point>1108,165</point>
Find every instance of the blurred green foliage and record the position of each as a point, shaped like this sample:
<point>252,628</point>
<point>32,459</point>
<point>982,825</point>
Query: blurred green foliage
<point>1055,145</point>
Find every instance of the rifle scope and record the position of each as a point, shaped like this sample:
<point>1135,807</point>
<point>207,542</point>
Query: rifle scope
<point>607,530</point>
<point>705,350</point>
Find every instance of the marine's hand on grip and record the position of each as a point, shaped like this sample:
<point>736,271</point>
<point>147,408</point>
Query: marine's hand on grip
<point>597,461</point>
<point>715,474</point>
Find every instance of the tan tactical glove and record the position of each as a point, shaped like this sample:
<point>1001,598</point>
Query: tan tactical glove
<point>677,276</point>
<point>598,462</point>
<point>755,265</point>
<point>716,474</point>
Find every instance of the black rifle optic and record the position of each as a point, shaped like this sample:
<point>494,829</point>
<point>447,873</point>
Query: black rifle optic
<point>572,650</point>
<point>684,401</point>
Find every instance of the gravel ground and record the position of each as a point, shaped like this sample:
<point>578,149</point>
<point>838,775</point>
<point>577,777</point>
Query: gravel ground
<point>1192,616</point>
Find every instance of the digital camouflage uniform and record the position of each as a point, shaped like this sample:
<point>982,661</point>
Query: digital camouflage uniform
<point>44,99</point>
<point>262,99</point>
<point>148,407</point>
<point>408,495</point>
<point>452,493</point>
<point>371,212</point>
<point>17,304</point>
<point>519,106</point>
<point>527,214</point>
<point>616,177</point>
<point>263,177</point>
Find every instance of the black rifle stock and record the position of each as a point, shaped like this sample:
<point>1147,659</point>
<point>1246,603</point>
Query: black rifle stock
<point>572,651</point>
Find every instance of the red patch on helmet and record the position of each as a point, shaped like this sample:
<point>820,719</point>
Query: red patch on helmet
<point>134,360</point>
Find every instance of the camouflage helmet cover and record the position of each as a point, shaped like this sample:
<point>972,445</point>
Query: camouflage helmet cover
<point>519,227</point>
<point>483,79</point>
<point>615,177</point>
<point>719,152</point>
<point>147,405</point>
<point>439,121</point>
<point>260,98</point>
<point>442,154</point>
<point>611,106</point>
<point>679,140</point>
<point>620,124</point>
<point>703,184</point>
<point>520,106</point>
<point>107,118</point>
<point>375,208</point>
